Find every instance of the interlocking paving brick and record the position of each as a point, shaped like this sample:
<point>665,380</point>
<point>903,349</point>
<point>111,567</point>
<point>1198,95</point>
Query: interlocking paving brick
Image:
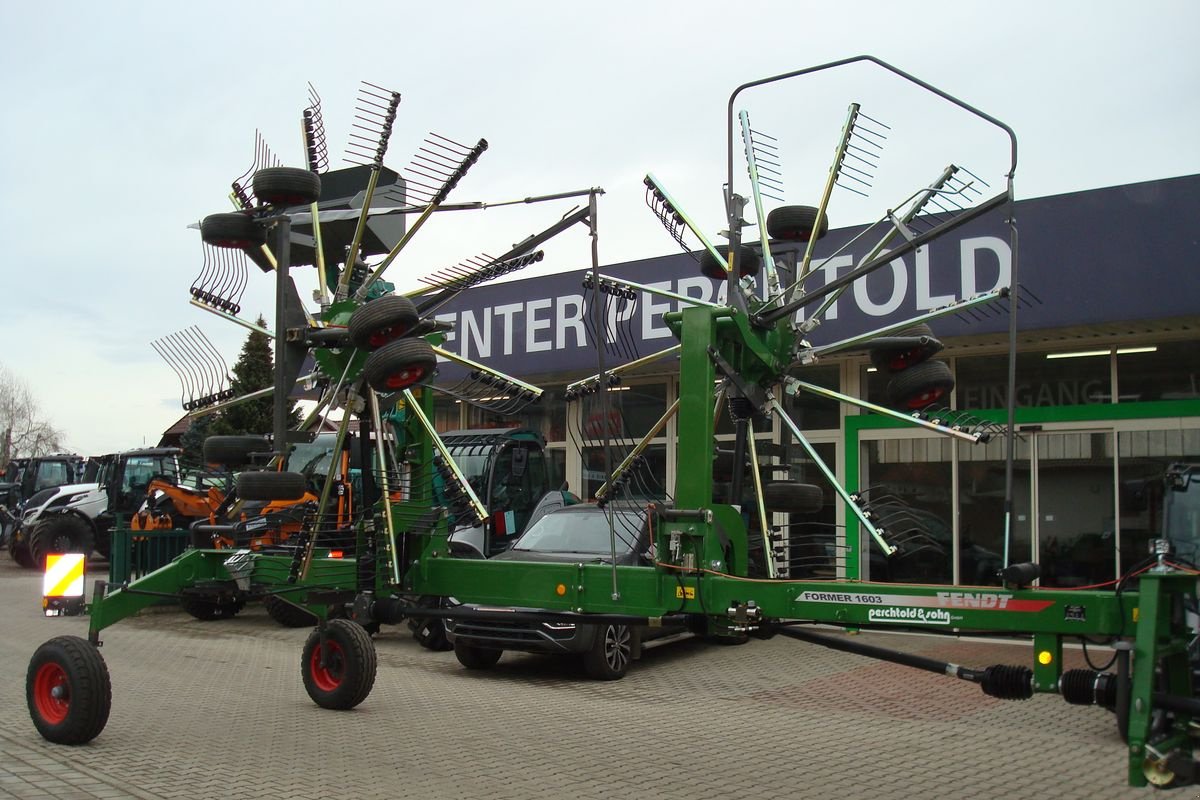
<point>217,710</point>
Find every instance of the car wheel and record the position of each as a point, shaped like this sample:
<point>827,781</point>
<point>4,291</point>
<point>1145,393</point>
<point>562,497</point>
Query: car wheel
<point>339,674</point>
<point>232,230</point>
<point>233,451</point>
<point>610,654</point>
<point>473,657</point>
<point>68,691</point>
<point>271,485</point>
<point>19,552</point>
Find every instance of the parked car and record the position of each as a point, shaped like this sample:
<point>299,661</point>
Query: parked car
<point>573,534</point>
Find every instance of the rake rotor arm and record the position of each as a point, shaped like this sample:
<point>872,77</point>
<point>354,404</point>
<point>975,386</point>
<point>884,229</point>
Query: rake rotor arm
<point>905,248</point>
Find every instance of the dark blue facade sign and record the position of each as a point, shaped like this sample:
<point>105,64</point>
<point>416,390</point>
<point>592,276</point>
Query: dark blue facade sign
<point>1123,253</point>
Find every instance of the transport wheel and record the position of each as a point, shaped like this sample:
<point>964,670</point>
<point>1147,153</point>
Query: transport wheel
<point>793,497</point>
<point>340,674</point>
<point>473,657</point>
<point>399,364</point>
<point>232,230</point>
<point>795,223</point>
<point>896,359</point>
<point>920,385</point>
<point>233,451</point>
<point>286,614</point>
<point>286,186</point>
<point>59,533</point>
<point>269,485</point>
<point>380,321</point>
<point>68,691</point>
<point>609,656</point>
<point>749,263</point>
<point>208,609</point>
<point>430,632</point>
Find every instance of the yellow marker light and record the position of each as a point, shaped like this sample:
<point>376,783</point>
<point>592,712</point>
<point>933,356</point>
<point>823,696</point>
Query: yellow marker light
<point>561,589</point>
<point>1045,657</point>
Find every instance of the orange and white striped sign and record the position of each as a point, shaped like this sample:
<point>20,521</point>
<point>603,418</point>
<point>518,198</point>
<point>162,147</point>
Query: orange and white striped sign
<point>64,575</point>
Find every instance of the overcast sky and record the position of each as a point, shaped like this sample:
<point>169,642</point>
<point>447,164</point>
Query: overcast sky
<point>126,121</point>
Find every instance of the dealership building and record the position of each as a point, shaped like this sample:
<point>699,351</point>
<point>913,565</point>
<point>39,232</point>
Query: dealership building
<point>1107,385</point>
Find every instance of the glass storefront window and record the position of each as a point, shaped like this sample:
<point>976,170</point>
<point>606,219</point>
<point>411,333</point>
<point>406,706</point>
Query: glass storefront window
<point>1168,372</point>
<point>1142,460</point>
<point>810,411</point>
<point>982,381</point>
<point>625,413</point>
<point>981,482</point>
<point>547,416</point>
<point>1076,527</point>
<point>812,542</point>
<point>907,490</point>
<point>647,480</point>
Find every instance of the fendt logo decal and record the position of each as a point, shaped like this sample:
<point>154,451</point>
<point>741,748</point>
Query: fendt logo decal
<point>982,601</point>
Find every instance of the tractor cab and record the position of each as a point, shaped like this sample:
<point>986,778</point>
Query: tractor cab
<point>510,474</point>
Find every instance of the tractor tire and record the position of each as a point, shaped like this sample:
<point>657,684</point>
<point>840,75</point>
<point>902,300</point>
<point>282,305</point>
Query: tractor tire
<point>795,223</point>
<point>286,186</point>
<point>68,691</point>
<point>920,386</point>
<point>381,321</point>
<point>19,552</point>
<point>898,359</point>
<point>609,656</point>
<point>339,675</point>
<point>233,451</point>
<point>399,364</point>
<point>208,609</point>
<point>286,614</point>
<point>59,533</point>
<point>473,657</point>
<point>748,263</point>
<point>793,497</point>
<point>233,230</point>
<point>271,485</point>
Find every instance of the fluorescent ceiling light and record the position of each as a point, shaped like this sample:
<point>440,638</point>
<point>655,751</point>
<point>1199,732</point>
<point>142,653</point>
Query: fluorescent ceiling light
<point>1079,354</point>
<point>1123,350</point>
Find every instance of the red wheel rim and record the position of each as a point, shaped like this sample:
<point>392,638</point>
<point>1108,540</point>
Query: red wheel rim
<point>327,676</point>
<point>384,335</point>
<point>51,706</point>
<point>926,398</point>
<point>405,378</point>
<point>902,360</point>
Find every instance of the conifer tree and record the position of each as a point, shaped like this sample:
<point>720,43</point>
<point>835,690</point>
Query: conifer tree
<point>253,371</point>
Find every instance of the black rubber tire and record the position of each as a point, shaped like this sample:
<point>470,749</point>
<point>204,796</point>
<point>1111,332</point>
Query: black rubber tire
<point>59,533</point>
<point>233,451</point>
<point>68,691</point>
<point>399,364</point>
<point>381,321</point>
<point>795,223</point>
<point>473,657</point>
<point>609,656</point>
<point>270,485</point>
<point>430,632</point>
<point>19,552</point>
<point>793,497</point>
<point>749,263</point>
<point>236,231</point>
<point>920,386</point>
<point>207,609</point>
<point>286,614</point>
<point>286,186</point>
<point>348,674</point>
<point>898,359</point>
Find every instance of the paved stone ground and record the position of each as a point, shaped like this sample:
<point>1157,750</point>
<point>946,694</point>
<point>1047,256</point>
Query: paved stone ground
<point>217,710</point>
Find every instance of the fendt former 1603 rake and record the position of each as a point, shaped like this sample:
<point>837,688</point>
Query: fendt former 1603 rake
<point>710,568</point>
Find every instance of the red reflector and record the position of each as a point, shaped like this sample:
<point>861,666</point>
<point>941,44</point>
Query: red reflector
<point>335,553</point>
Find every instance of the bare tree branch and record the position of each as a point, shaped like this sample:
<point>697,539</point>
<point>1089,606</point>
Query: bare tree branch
<point>22,430</point>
